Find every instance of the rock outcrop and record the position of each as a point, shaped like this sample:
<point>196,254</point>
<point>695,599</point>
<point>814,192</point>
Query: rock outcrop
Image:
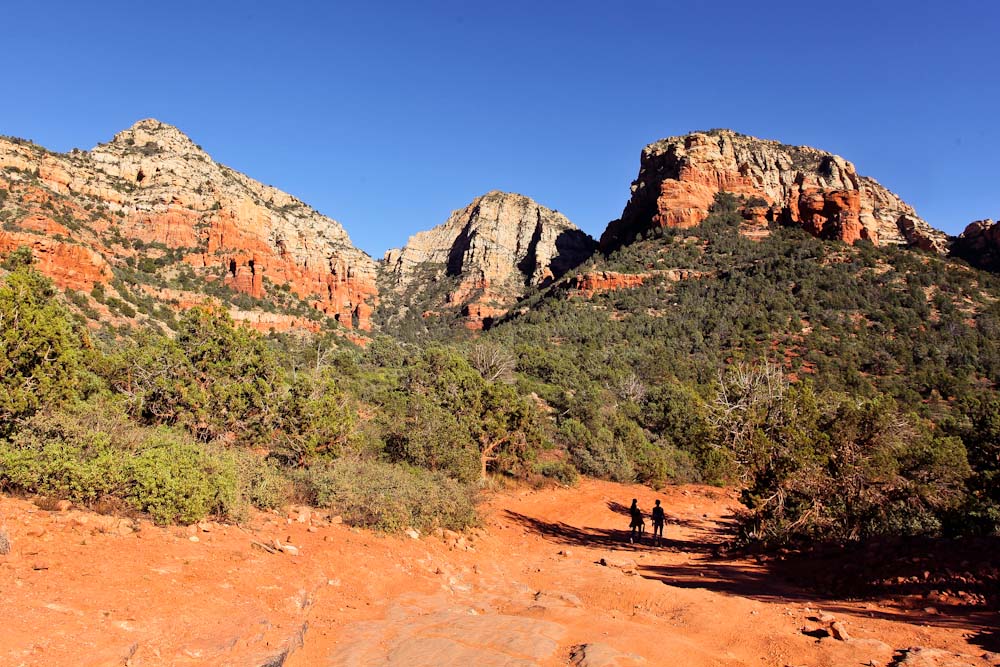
<point>679,178</point>
<point>589,284</point>
<point>979,245</point>
<point>70,266</point>
<point>151,186</point>
<point>492,251</point>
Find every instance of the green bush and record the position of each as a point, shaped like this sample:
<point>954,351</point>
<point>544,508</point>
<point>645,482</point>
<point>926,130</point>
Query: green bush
<point>175,480</point>
<point>262,482</point>
<point>43,352</point>
<point>387,496</point>
<point>562,472</point>
<point>91,450</point>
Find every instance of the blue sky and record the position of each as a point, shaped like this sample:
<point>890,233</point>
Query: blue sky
<point>388,116</point>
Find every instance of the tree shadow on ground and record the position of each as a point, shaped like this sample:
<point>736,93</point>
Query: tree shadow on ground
<point>606,538</point>
<point>624,510</point>
<point>988,638</point>
<point>880,579</point>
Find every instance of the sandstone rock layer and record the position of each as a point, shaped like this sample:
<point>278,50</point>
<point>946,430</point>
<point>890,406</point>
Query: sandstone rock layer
<point>494,249</point>
<point>151,186</point>
<point>679,178</point>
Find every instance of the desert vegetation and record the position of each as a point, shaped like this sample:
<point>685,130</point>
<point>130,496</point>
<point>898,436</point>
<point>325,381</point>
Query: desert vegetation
<point>848,391</point>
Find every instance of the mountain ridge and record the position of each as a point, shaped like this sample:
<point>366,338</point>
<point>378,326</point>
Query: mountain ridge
<point>150,215</point>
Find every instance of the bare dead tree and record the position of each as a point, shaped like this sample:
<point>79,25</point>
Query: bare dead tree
<point>631,388</point>
<point>749,397</point>
<point>493,362</point>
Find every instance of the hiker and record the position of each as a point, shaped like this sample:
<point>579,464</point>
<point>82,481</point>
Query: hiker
<point>638,525</point>
<point>658,520</point>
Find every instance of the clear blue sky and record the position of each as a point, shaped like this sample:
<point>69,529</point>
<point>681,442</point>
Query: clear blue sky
<point>387,116</point>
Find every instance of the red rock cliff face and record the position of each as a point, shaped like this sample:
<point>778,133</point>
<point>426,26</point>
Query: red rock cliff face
<point>679,178</point>
<point>589,284</point>
<point>152,186</point>
<point>70,266</point>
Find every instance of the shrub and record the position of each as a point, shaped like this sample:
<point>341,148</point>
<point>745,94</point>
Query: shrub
<point>262,483</point>
<point>42,350</point>
<point>562,472</point>
<point>175,480</point>
<point>90,451</point>
<point>386,496</point>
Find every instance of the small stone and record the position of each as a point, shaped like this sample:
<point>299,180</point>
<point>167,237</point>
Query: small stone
<point>412,533</point>
<point>303,516</point>
<point>838,631</point>
<point>205,527</point>
<point>194,538</point>
<point>931,610</point>
<point>312,529</point>
<point>290,550</point>
<point>337,519</point>
<point>63,506</point>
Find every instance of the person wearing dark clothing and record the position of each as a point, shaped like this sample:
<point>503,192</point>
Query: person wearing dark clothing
<point>659,518</point>
<point>637,524</point>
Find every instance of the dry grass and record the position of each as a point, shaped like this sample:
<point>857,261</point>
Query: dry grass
<point>4,541</point>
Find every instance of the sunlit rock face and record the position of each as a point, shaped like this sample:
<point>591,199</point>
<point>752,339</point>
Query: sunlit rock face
<point>495,248</point>
<point>679,178</point>
<point>151,184</point>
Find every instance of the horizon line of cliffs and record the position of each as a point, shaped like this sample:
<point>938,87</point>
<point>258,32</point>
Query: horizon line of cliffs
<point>151,191</point>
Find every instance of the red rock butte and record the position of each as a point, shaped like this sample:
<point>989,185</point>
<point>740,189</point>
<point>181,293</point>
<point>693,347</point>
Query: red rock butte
<point>679,178</point>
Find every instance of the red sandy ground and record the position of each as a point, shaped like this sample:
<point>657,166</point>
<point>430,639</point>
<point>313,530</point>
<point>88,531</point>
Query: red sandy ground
<point>526,589</point>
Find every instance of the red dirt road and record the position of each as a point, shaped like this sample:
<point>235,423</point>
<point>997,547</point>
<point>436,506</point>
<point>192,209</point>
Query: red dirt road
<point>525,589</point>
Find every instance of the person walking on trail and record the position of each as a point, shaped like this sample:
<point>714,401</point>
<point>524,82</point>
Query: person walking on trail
<point>637,524</point>
<point>659,518</point>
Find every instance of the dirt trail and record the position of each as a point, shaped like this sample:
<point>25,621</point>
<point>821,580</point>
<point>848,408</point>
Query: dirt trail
<point>528,588</point>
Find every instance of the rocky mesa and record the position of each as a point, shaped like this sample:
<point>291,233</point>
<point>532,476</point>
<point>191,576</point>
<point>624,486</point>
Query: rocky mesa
<point>486,256</point>
<point>151,193</point>
<point>679,178</point>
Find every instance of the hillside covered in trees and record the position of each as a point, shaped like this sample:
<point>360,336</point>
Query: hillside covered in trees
<point>850,391</point>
